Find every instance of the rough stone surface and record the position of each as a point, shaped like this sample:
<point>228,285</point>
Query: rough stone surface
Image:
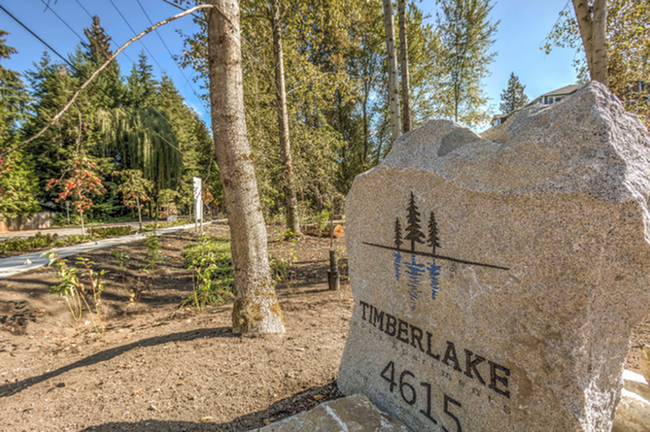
<point>644,363</point>
<point>633,411</point>
<point>519,319</point>
<point>351,414</point>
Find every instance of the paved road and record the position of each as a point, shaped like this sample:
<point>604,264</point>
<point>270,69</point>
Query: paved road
<point>64,232</point>
<point>14,265</point>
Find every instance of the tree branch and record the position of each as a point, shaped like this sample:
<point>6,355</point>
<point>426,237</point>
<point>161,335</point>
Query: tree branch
<point>100,70</point>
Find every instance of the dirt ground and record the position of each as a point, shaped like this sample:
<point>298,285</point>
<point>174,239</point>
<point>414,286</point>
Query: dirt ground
<point>164,368</point>
<point>159,367</point>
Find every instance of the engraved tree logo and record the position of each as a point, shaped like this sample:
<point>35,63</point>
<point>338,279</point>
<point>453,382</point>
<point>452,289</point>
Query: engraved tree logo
<point>415,235</point>
<point>397,255</point>
<point>414,270</point>
<point>398,234</point>
<point>433,242</point>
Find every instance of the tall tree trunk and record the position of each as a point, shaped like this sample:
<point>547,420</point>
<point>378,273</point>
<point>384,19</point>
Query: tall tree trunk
<point>393,89</point>
<point>293,223</point>
<point>83,229</point>
<point>256,307</point>
<point>594,40</point>
<point>404,60</point>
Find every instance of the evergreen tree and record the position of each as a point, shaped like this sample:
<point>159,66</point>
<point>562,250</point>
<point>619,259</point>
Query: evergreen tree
<point>51,84</point>
<point>467,35</point>
<point>13,96</point>
<point>413,228</point>
<point>433,241</point>
<point>17,181</point>
<point>513,97</point>
<point>140,83</point>
<point>98,46</point>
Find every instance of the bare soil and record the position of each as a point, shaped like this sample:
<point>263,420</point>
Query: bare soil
<point>164,368</point>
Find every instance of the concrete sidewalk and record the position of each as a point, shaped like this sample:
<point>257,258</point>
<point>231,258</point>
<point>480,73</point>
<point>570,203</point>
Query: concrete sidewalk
<point>14,265</point>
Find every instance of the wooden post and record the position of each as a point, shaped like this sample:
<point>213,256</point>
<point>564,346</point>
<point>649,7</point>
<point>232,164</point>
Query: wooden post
<point>333,278</point>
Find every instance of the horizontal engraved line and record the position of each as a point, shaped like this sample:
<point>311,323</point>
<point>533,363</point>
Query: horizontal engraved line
<point>442,257</point>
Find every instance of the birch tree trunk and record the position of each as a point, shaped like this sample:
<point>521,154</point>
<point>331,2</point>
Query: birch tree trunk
<point>404,60</point>
<point>291,202</point>
<point>594,40</point>
<point>256,308</point>
<point>393,89</point>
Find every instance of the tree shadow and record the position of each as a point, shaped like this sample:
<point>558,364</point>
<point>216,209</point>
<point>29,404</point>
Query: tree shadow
<point>280,410</point>
<point>13,388</point>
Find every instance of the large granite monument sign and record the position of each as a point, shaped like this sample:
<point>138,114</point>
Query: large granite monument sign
<point>496,280</point>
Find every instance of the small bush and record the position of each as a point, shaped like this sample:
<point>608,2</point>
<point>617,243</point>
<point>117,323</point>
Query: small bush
<point>211,262</point>
<point>154,255</point>
<point>116,231</point>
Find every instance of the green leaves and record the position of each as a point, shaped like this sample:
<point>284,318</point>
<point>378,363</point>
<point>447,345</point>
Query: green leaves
<point>211,263</point>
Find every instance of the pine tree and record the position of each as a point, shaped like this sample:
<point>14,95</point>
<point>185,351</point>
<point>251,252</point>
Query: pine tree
<point>414,232</point>
<point>98,47</point>
<point>433,241</point>
<point>398,234</point>
<point>140,83</point>
<point>513,97</point>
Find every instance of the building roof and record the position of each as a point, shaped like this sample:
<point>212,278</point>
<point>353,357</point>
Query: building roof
<point>566,90</point>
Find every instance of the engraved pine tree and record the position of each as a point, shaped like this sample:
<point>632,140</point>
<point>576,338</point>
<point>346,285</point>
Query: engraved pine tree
<point>397,255</point>
<point>433,241</point>
<point>398,234</point>
<point>415,234</point>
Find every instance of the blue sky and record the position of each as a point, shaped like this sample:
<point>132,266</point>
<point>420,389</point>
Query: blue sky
<point>524,25</point>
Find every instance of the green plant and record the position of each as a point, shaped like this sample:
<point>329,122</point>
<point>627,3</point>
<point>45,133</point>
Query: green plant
<point>153,255</point>
<point>212,277</point>
<point>116,231</point>
<point>322,219</point>
<point>281,270</point>
<point>122,257</point>
<point>75,291</point>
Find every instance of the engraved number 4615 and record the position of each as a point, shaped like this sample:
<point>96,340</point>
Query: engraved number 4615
<point>409,395</point>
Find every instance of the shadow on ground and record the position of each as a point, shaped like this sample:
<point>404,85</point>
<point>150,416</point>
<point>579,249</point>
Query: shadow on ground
<point>279,410</point>
<point>13,388</point>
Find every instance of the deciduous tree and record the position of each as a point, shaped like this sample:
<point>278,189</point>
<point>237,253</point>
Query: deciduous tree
<point>391,59</point>
<point>467,37</point>
<point>135,190</point>
<point>256,308</point>
<point>80,185</point>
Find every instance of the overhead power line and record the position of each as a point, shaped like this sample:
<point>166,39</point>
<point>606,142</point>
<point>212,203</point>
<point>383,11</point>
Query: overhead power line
<point>169,51</point>
<point>135,34</point>
<point>82,74</point>
<point>37,37</point>
<point>47,6</point>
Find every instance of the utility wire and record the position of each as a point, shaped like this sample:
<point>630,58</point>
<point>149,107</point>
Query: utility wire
<point>37,37</point>
<point>135,34</point>
<point>47,6</point>
<point>168,50</point>
<point>112,40</point>
<point>83,75</point>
